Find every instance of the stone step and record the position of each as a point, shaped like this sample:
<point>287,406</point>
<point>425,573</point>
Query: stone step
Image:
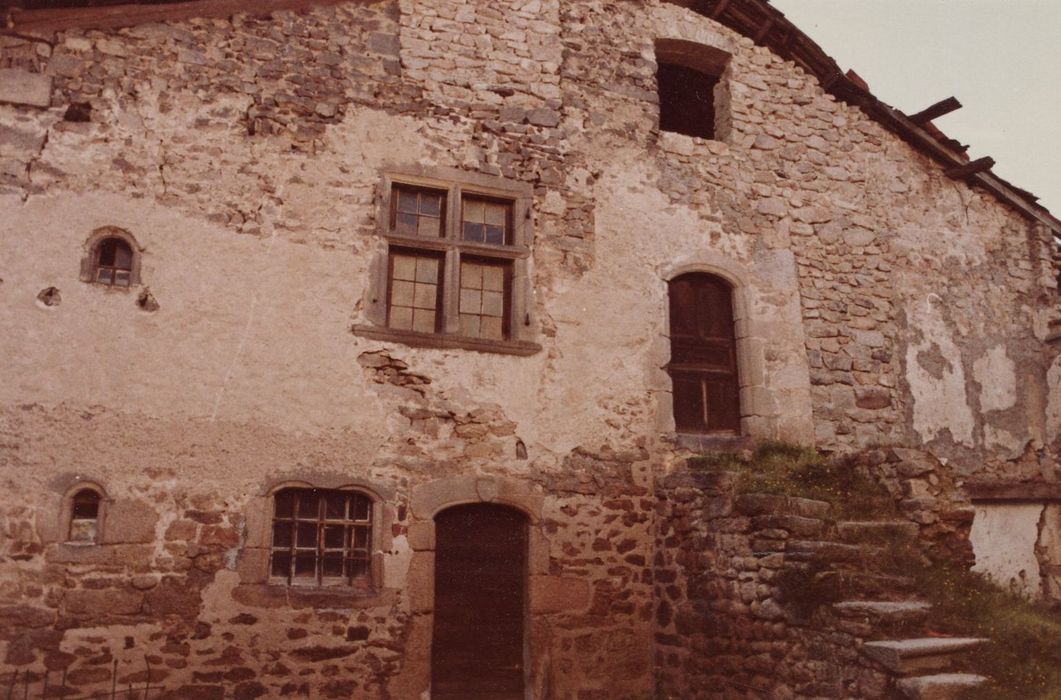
<point>773,504</point>
<point>877,531</point>
<point>909,656</point>
<point>884,610</point>
<point>831,552</point>
<point>942,686</point>
<point>792,524</point>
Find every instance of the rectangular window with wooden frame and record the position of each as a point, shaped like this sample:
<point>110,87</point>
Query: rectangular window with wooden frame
<point>456,265</point>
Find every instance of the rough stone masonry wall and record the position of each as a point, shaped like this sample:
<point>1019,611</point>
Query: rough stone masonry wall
<point>244,155</point>
<point>217,144</point>
<point>722,631</point>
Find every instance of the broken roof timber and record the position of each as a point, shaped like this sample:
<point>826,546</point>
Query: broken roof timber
<point>749,17</point>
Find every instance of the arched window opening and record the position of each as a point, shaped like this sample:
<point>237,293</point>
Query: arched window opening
<point>322,537</point>
<point>688,80</point>
<point>703,364</point>
<point>114,263</point>
<point>84,516</point>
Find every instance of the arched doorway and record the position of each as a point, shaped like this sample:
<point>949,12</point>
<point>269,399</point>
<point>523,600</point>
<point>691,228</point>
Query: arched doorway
<point>478,648</point>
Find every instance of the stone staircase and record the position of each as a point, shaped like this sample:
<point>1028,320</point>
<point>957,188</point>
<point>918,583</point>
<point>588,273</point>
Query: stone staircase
<point>878,607</point>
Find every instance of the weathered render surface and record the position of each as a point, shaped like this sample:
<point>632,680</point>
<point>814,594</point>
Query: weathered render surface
<point>883,304</point>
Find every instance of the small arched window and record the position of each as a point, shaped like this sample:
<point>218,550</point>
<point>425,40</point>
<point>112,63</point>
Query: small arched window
<point>322,537</point>
<point>703,364</point>
<point>114,264</point>
<point>112,258</point>
<point>84,516</point>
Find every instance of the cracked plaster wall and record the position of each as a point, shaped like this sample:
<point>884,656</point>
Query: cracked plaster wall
<point>244,155</point>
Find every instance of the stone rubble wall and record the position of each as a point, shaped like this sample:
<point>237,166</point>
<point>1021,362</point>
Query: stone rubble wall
<point>724,628</point>
<point>245,157</point>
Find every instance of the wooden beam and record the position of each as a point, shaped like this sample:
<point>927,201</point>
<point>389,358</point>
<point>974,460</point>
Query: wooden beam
<point>1008,491</point>
<point>720,7</point>
<point>764,31</point>
<point>963,172</point>
<point>114,16</point>
<point>936,111</point>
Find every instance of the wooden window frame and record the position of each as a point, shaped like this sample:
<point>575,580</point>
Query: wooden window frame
<point>368,581</point>
<point>456,186</point>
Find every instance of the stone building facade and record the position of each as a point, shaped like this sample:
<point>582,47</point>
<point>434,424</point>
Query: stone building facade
<point>250,160</point>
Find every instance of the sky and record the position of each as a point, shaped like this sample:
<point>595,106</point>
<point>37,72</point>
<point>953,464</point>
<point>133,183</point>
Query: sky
<point>1000,58</point>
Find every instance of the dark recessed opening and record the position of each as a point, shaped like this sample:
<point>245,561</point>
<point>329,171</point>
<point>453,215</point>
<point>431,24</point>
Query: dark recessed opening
<point>480,598</point>
<point>686,100</point>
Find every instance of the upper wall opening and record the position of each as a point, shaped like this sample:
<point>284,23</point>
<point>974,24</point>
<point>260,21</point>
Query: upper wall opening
<point>691,90</point>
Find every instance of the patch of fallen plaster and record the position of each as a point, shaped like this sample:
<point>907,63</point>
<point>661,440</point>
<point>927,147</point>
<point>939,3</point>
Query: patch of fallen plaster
<point>935,376</point>
<point>997,376</point>
<point>1004,538</point>
<point>397,563</point>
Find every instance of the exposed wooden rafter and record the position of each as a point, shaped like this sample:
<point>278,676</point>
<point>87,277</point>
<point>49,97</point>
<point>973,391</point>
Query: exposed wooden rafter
<point>936,111</point>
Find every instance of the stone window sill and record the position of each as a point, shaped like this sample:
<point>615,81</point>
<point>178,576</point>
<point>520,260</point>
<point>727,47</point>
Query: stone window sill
<point>521,348</point>
<point>270,595</point>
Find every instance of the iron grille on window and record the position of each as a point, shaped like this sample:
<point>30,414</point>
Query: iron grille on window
<point>114,265</point>
<point>322,537</point>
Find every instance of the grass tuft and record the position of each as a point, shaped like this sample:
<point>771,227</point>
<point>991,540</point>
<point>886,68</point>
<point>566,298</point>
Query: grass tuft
<point>781,468</point>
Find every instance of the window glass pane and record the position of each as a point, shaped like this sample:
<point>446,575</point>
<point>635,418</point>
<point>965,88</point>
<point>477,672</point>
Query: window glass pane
<point>360,539</point>
<point>490,327</point>
<point>495,214</point>
<point>307,504</point>
<point>359,568</point>
<point>407,201</point>
<point>469,324</point>
<point>404,267</point>
<point>429,227</point>
<point>474,233</point>
<point>401,318</point>
<point>425,296</point>
<point>307,535</point>
<point>427,269</point>
<point>423,321</point>
<point>361,507</point>
<point>106,276</point>
<point>493,304</point>
<point>431,203</point>
<point>107,251</point>
<point>284,504</point>
<point>281,564</point>
<point>123,255</point>
<point>494,278</point>
<point>406,224</point>
<point>495,235</point>
<point>334,536</point>
<point>335,505</point>
<point>402,293</point>
<point>474,210</point>
<point>471,301</point>
<point>482,299</point>
<point>332,565</point>
<point>121,278</point>
<point>306,565</point>
<point>282,534</point>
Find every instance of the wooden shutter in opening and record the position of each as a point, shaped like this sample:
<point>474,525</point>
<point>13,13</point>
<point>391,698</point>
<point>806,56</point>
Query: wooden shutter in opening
<point>703,364</point>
